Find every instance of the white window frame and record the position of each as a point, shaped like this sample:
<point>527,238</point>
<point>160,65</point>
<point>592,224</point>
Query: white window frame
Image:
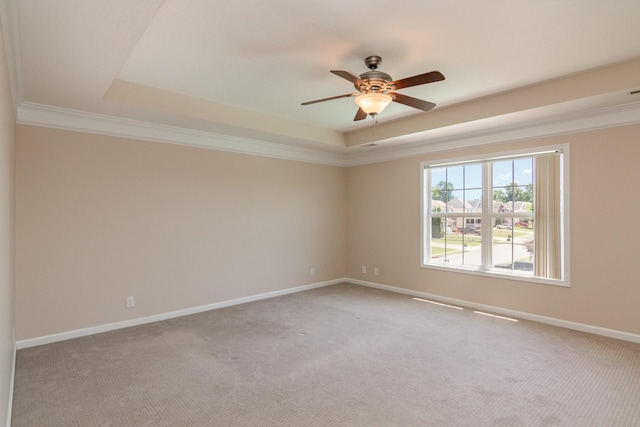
<point>425,207</point>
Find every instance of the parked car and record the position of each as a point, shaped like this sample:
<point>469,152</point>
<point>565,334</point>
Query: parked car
<point>504,226</point>
<point>522,224</point>
<point>471,230</point>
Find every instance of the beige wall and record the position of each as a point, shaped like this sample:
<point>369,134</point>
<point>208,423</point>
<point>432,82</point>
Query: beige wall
<point>101,218</point>
<point>384,232</point>
<point>7,197</point>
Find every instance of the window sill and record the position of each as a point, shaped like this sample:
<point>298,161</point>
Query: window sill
<point>499,275</point>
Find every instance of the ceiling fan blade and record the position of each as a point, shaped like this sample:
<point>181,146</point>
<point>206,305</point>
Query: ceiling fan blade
<point>348,76</point>
<point>412,102</point>
<point>430,77</point>
<point>360,115</point>
<point>348,95</point>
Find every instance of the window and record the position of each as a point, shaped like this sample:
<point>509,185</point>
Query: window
<point>498,215</point>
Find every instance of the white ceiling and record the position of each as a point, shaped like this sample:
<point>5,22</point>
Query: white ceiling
<point>254,60</point>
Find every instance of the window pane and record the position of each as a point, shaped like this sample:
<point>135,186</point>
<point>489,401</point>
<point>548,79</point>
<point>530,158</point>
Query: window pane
<point>510,248</point>
<point>473,176</point>
<point>472,242</point>
<point>499,202</point>
<point>441,188</point>
<point>468,241</point>
<point>513,185</point>
<point>445,242</point>
<point>437,175</point>
<point>523,171</point>
<point>502,173</point>
<point>455,175</point>
<point>456,204</point>
<point>473,201</point>
<point>456,245</point>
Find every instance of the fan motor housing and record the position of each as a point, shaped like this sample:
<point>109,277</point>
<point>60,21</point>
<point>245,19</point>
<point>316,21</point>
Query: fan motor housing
<point>374,81</point>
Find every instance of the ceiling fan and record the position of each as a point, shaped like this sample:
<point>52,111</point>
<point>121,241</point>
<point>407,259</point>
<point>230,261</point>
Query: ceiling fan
<point>376,89</point>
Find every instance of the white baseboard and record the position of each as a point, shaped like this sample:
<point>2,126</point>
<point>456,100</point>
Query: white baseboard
<point>611,333</point>
<point>48,339</point>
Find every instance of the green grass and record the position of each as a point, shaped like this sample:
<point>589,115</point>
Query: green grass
<point>499,236</point>
<point>518,232</point>
<point>436,250</point>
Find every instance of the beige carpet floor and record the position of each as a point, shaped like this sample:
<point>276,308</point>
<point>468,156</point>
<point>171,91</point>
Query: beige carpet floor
<point>342,355</point>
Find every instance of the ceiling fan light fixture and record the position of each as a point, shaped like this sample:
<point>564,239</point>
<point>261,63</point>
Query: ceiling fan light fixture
<point>373,103</point>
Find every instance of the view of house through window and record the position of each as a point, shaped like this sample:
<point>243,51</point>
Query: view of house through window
<point>496,215</point>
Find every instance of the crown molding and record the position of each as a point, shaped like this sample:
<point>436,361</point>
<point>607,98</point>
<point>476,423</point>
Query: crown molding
<point>62,118</point>
<point>81,121</point>
<point>600,118</point>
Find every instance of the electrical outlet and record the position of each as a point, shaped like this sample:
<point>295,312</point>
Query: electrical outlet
<point>131,302</point>
<point>312,272</point>
<point>364,269</point>
<point>376,271</point>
